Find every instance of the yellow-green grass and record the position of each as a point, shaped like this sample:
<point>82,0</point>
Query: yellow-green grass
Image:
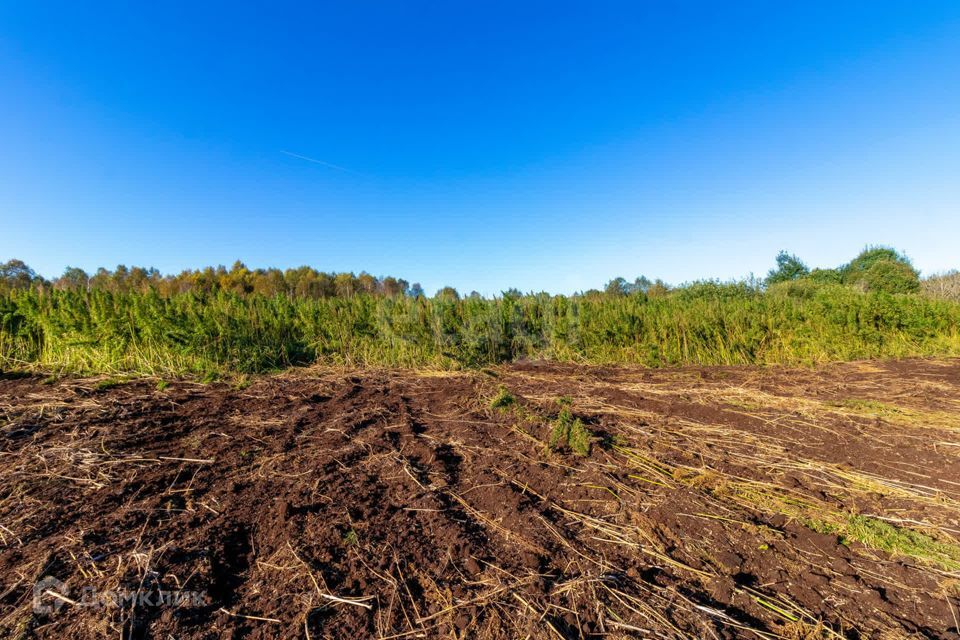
<point>99,332</point>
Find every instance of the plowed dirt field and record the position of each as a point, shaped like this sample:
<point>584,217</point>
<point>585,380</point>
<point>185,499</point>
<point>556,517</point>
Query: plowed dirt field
<point>700,503</point>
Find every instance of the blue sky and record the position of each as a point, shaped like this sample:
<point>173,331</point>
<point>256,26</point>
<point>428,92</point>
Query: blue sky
<point>539,145</point>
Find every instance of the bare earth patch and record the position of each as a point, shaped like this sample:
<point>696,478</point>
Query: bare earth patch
<point>534,500</point>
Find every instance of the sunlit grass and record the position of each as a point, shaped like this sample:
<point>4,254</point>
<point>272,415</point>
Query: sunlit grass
<point>897,541</point>
<point>100,332</point>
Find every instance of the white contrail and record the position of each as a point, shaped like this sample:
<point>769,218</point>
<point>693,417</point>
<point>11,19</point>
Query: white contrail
<point>320,162</point>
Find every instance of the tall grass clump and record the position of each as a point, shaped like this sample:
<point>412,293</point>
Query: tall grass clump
<point>569,432</point>
<point>202,333</point>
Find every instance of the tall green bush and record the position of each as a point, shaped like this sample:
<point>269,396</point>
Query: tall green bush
<point>797,321</point>
<point>881,269</point>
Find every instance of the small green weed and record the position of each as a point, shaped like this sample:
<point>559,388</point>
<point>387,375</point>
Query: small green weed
<point>861,405</point>
<point>878,534</point>
<point>108,383</point>
<point>901,541</point>
<point>570,431</point>
<point>503,399</point>
<point>821,526</point>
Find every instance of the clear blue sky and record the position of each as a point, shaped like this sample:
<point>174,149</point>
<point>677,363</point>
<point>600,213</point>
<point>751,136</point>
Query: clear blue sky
<point>541,145</point>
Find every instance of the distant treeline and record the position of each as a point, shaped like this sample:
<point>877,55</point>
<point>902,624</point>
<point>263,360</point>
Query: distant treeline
<point>875,269</point>
<point>218,321</point>
<point>302,282</point>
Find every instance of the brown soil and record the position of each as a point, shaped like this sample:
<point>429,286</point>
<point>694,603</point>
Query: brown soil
<point>388,504</point>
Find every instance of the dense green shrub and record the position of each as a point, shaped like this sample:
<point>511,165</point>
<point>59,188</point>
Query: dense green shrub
<point>825,276</point>
<point>868,257</point>
<point>881,269</point>
<point>789,267</point>
<point>890,277</point>
<point>705,323</point>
